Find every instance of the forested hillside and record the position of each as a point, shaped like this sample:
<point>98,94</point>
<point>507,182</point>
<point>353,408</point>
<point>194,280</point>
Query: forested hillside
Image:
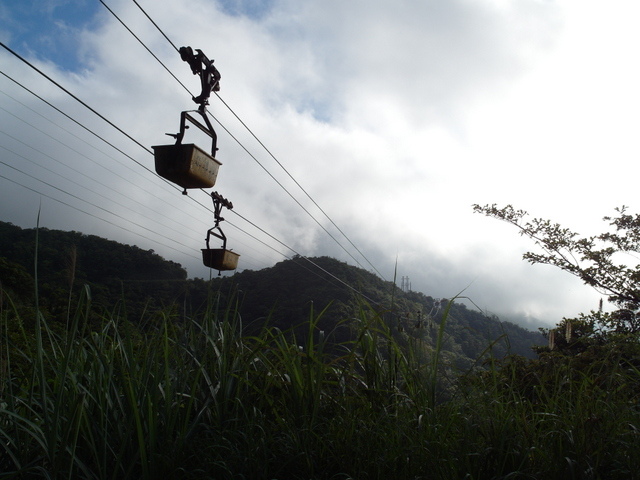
<point>284,295</point>
<point>68,260</point>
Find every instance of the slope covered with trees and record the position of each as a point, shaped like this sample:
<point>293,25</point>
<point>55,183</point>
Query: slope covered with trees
<point>68,260</point>
<point>284,295</point>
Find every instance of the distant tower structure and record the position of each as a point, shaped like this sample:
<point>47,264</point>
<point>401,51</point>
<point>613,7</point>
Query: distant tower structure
<point>405,284</point>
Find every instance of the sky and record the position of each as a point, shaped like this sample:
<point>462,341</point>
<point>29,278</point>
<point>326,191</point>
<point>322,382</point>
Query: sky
<point>382,121</point>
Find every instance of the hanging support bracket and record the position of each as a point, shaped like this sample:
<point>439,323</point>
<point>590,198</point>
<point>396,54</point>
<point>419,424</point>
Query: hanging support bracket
<point>218,203</point>
<point>202,66</point>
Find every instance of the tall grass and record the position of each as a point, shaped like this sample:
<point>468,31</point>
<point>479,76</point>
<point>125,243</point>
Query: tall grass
<point>196,398</point>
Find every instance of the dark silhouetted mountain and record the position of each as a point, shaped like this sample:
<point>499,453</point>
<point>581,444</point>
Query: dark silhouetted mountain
<point>285,295</point>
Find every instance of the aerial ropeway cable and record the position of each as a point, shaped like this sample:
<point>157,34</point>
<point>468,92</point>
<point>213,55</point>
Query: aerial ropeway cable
<point>189,166</point>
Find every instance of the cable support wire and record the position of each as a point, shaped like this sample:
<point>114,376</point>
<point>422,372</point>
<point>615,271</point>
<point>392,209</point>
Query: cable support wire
<point>93,111</point>
<point>83,211</point>
<point>149,151</point>
<point>71,118</point>
<point>259,142</point>
<point>69,179</point>
<point>88,177</point>
<point>281,186</point>
<point>61,142</point>
<point>167,246</point>
<point>88,213</point>
<point>103,139</point>
<point>83,200</point>
<point>121,151</point>
<point>108,143</point>
<point>301,188</point>
<point>84,104</point>
<point>307,259</point>
<point>156,25</point>
<point>143,44</point>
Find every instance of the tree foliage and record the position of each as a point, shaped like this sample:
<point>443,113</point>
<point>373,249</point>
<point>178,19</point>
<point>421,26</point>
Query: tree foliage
<point>69,260</point>
<point>605,261</point>
<point>283,295</point>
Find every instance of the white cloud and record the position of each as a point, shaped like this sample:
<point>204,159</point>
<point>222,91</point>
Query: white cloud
<point>394,117</point>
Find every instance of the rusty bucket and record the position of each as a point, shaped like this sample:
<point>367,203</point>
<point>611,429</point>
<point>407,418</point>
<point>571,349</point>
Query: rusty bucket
<point>220,258</point>
<point>186,165</point>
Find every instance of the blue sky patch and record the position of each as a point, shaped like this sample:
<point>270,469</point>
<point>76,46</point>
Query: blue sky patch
<point>254,9</point>
<point>48,30</point>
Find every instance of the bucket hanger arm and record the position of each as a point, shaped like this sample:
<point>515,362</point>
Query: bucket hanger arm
<point>206,128</point>
<point>218,203</point>
<point>209,81</point>
<point>219,234</point>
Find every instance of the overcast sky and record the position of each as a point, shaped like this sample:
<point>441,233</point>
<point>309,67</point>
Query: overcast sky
<point>395,117</point>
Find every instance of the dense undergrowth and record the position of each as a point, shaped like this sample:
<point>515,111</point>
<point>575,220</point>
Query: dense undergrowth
<point>180,398</point>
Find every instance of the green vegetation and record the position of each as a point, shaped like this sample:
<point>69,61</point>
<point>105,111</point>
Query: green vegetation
<point>281,296</point>
<point>113,271</point>
<point>197,399</point>
<point>320,389</point>
<point>606,262</point>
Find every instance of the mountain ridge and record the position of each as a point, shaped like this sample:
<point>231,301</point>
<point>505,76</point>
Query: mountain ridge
<point>282,296</point>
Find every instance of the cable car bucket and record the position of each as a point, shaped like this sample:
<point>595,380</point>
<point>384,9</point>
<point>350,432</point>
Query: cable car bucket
<point>188,165</point>
<point>219,258</point>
